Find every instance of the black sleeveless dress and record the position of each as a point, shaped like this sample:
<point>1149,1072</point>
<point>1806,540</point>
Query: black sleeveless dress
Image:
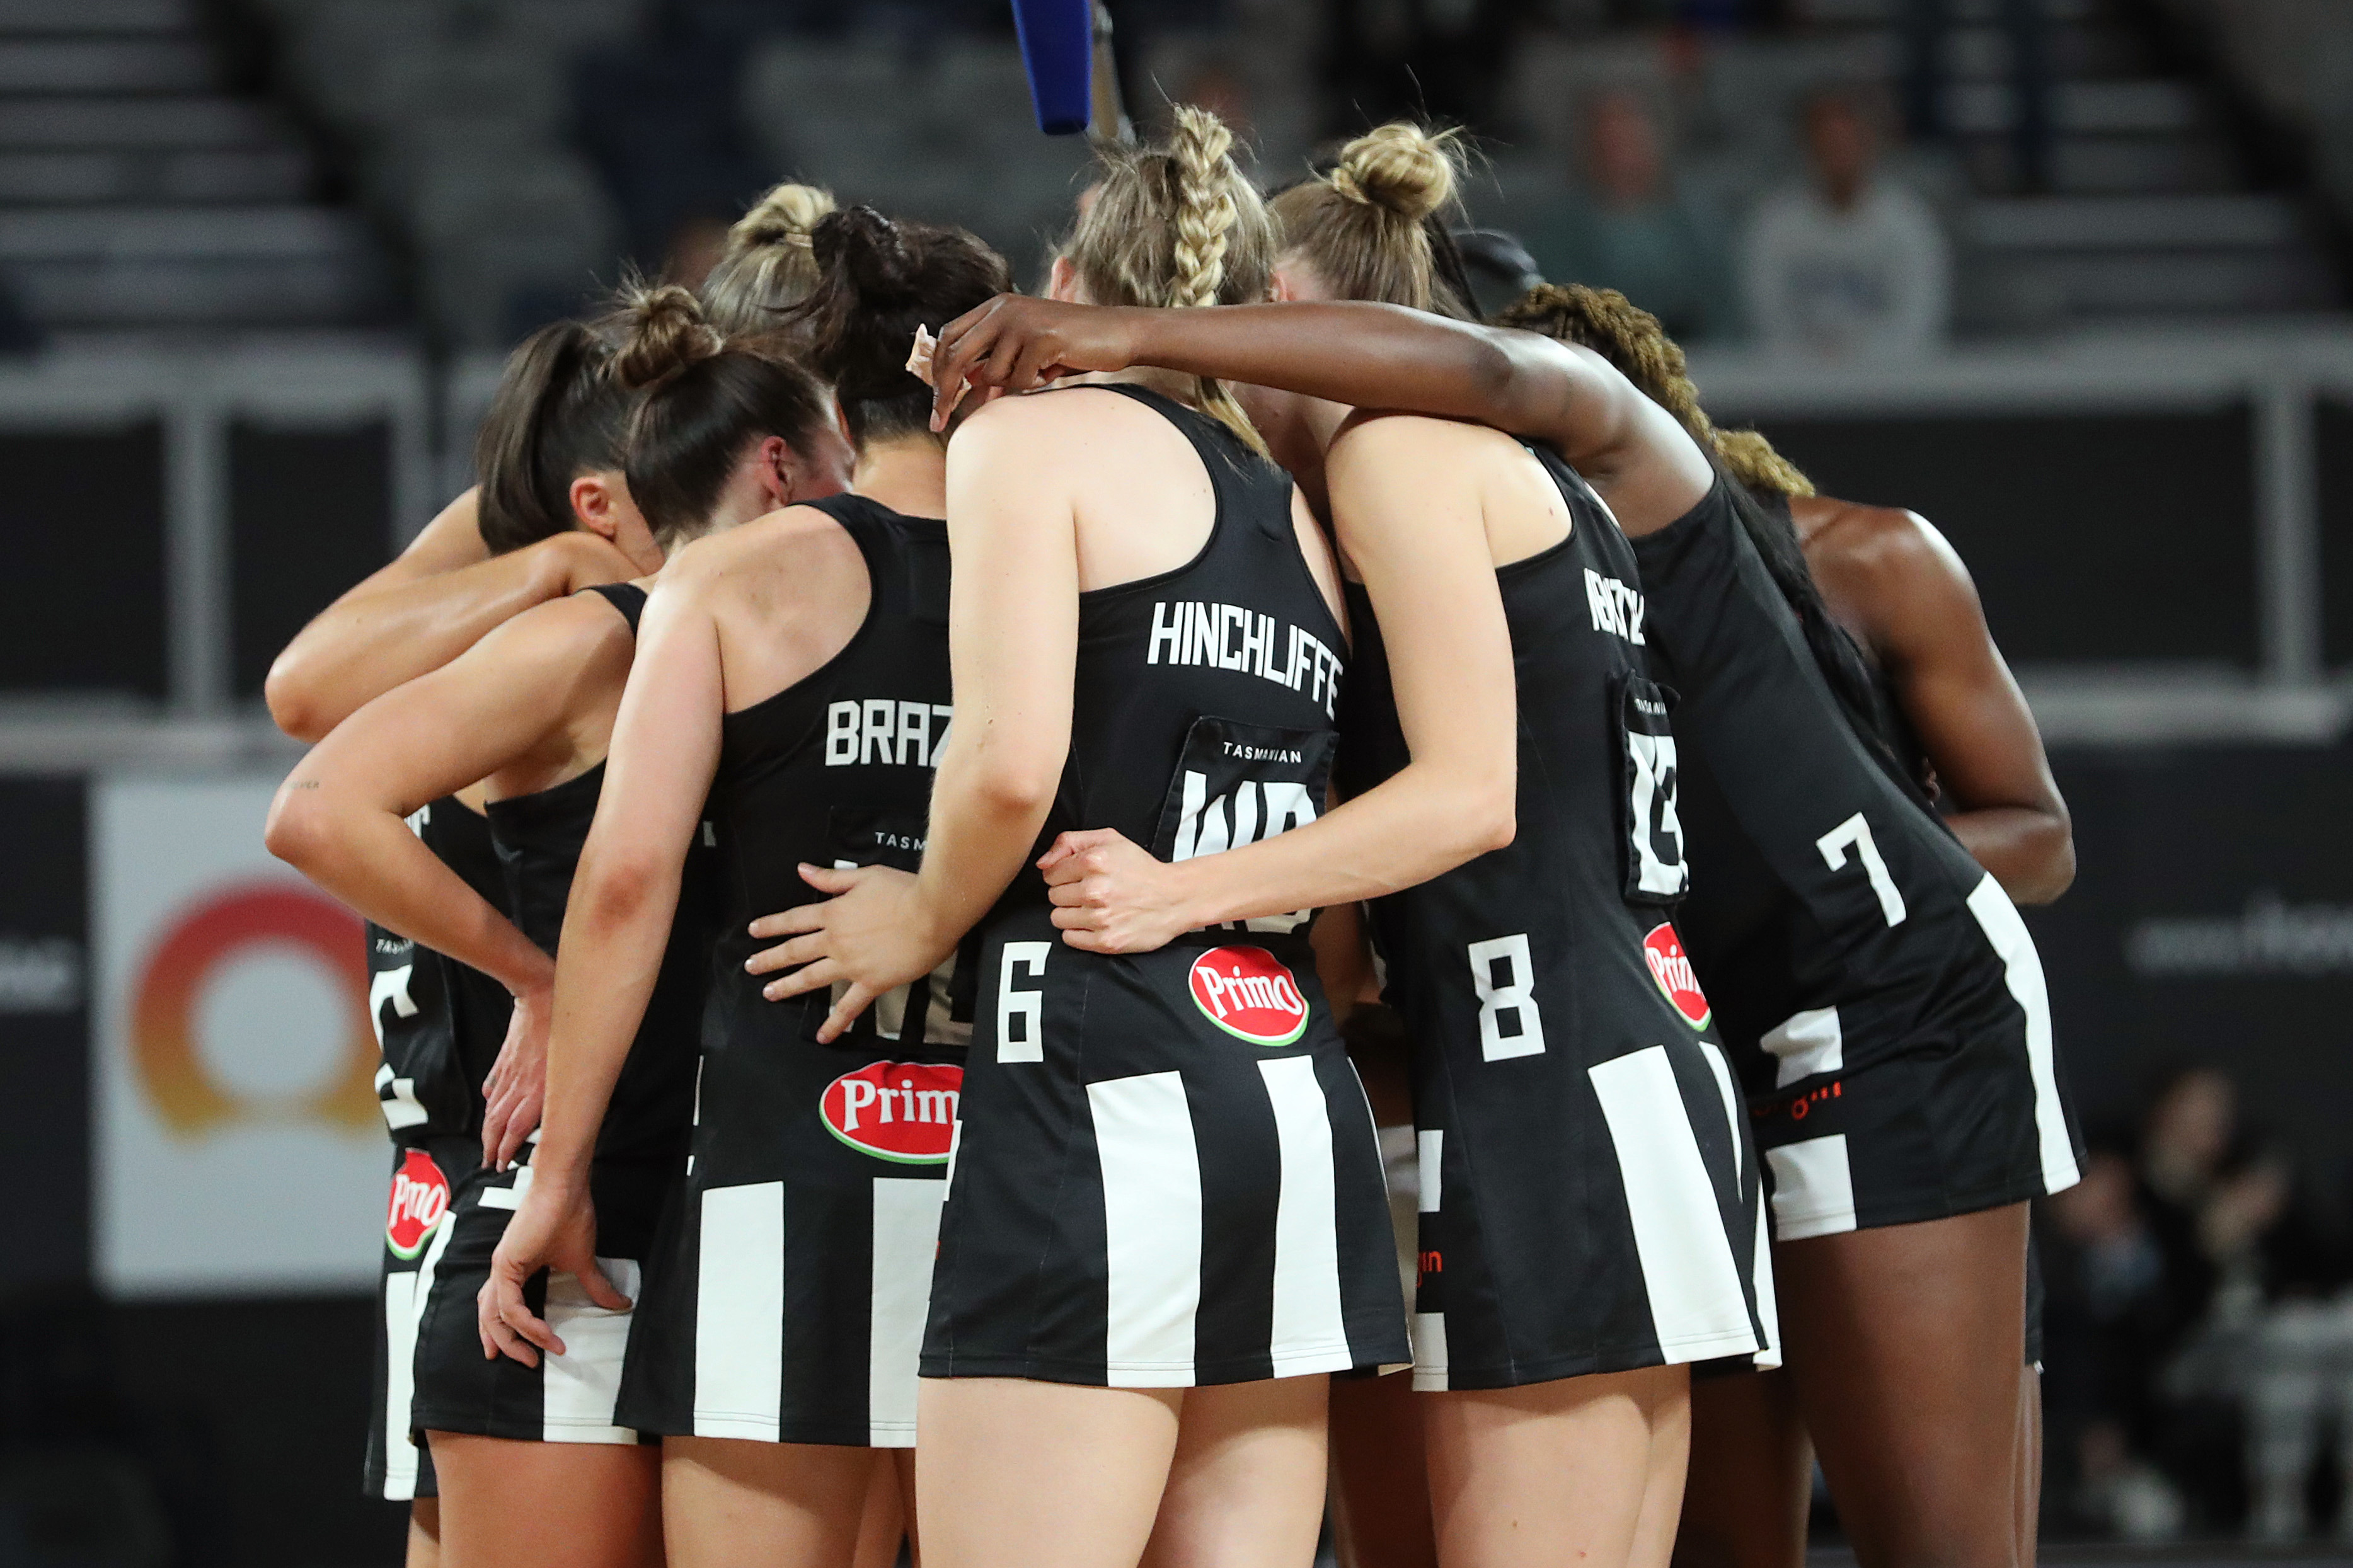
<point>786,1295</point>
<point>640,1150</point>
<point>1882,999</point>
<point>1589,1199</point>
<point>439,1026</point>
<point>1167,1172</point>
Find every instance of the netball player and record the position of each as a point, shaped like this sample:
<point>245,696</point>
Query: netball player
<point>532,1462</point>
<point>1878,988</point>
<point>769,263</point>
<point>1954,720</point>
<point>1570,1269</point>
<point>542,524</point>
<point>796,672</point>
<point>1165,1224</point>
<point>439,1024</point>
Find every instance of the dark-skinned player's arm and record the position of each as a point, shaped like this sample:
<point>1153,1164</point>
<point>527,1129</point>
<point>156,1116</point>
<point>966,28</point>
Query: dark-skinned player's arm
<point>430,604</point>
<point>1367,355</point>
<point>617,927</point>
<point>1923,620</point>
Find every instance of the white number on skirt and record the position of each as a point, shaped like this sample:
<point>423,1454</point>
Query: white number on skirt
<point>1504,977</point>
<point>1856,832</point>
<point>1015,1004</point>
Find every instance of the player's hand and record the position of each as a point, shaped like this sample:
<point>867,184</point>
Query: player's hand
<point>874,935</point>
<point>554,1228</point>
<point>1016,342</point>
<point>516,1090</point>
<point>1112,896</point>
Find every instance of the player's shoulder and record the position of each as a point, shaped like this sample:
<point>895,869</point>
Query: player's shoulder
<point>715,558</point>
<point>1866,537</point>
<point>1392,438</point>
<point>1890,552</point>
<point>555,644</point>
<point>1024,415</point>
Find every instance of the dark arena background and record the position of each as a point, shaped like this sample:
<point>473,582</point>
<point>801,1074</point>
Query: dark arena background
<point>260,261</point>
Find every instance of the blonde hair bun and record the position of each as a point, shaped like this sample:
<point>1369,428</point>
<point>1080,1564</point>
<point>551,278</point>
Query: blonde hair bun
<point>787,214</point>
<point>1401,168</point>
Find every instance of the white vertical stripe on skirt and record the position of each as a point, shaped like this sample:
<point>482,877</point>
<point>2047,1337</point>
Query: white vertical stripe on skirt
<point>1152,1224</point>
<point>739,1321</point>
<point>1309,1323</point>
<point>906,1241</point>
<point>1698,1305</point>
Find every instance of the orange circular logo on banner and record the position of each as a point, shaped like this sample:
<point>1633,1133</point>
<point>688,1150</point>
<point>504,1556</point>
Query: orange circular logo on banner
<point>199,940</point>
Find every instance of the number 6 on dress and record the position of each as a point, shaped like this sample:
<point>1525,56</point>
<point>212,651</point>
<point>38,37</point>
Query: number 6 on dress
<point>1015,1003</point>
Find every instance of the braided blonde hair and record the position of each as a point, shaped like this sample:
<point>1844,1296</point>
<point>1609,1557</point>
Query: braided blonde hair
<point>768,266</point>
<point>1177,224</point>
<point>1364,227</point>
<point>1632,339</point>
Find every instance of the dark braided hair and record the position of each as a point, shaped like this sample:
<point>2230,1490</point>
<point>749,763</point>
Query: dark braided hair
<point>1631,340</point>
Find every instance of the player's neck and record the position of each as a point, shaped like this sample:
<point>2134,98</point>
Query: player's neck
<point>1176,384</point>
<point>909,474</point>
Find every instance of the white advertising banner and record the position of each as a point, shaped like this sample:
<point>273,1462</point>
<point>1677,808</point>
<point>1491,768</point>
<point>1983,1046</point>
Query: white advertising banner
<point>237,1139</point>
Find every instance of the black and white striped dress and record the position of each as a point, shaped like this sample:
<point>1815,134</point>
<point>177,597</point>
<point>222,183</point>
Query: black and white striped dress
<point>571,1397</point>
<point>439,1026</point>
<point>784,1298</point>
<point>1589,1193</point>
<point>1167,1172</point>
<point>1884,1001</point>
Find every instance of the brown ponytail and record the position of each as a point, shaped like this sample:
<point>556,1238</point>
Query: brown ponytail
<point>769,264</point>
<point>699,401</point>
<point>557,413</point>
<point>1366,224</point>
<point>1178,225</point>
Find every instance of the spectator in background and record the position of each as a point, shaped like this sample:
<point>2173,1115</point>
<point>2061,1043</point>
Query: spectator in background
<point>1849,265</point>
<point>2114,1315</point>
<point>1628,228</point>
<point>2271,1359</point>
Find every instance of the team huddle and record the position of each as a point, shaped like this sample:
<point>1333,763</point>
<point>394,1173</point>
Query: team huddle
<point>979,948</point>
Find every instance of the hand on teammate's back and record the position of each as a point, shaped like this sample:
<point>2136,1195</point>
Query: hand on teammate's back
<point>1112,896</point>
<point>874,935</point>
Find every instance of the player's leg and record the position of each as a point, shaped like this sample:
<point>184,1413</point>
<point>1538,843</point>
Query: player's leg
<point>2030,1464</point>
<point>882,1526</point>
<point>1018,1474</point>
<point>424,1533</point>
<point>548,1505</point>
<point>1380,1475</point>
<point>1560,1471</point>
<point>730,1502</point>
<point>1905,1343</point>
<point>1662,1491</point>
<point>1246,1486</point>
<point>1752,1471</point>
